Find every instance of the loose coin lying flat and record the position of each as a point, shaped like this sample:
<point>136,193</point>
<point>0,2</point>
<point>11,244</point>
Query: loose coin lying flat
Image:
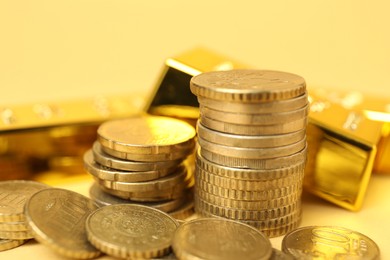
<point>329,242</point>
<point>147,135</point>
<point>131,231</point>
<point>13,196</point>
<point>279,255</point>
<point>248,85</point>
<point>57,219</point>
<point>212,238</point>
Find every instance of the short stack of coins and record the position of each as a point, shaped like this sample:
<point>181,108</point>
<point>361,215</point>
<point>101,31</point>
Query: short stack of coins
<point>252,147</point>
<point>142,160</point>
<point>14,229</point>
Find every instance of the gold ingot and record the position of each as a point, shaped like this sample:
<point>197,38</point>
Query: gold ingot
<point>348,133</point>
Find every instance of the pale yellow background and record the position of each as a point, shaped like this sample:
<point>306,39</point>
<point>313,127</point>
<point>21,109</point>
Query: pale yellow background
<point>52,50</point>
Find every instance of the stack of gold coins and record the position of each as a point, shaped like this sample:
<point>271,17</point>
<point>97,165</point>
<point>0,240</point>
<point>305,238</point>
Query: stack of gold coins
<point>142,160</point>
<point>14,229</point>
<point>252,147</point>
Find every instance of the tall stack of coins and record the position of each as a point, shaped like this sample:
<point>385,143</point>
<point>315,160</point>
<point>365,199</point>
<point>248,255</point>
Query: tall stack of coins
<point>252,147</point>
<point>142,160</point>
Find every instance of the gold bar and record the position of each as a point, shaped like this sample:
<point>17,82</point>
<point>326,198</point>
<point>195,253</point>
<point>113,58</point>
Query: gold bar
<point>345,142</point>
<point>45,138</point>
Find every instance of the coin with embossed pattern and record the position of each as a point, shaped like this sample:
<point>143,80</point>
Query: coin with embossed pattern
<point>13,196</point>
<point>212,238</point>
<point>57,219</point>
<point>147,135</point>
<point>247,86</point>
<point>131,231</point>
<point>329,242</point>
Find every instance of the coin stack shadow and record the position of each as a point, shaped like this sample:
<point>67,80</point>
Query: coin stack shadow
<point>252,147</point>
<point>143,160</point>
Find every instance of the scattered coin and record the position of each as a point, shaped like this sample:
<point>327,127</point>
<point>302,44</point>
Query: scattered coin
<point>131,231</point>
<point>329,242</point>
<point>57,219</point>
<point>212,238</point>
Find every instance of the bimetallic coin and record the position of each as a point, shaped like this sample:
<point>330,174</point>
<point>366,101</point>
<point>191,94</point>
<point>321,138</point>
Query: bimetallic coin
<point>13,196</point>
<point>104,199</point>
<point>166,182</point>
<point>6,244</point>
<point>131,231</point>
<point>112,162</point>
<point>252,153</point>
<point>255,119</point>
<point>261,164</point>
<point>238,129</point>
<point>147,135</point>
<point>57,219</point>
<point>110,174</point>
<point>249,141</point>
<point>248,174</point>
<point>247,86</point>
<point>329,242</point>
<point>256,108</point>
<point>212,238</point>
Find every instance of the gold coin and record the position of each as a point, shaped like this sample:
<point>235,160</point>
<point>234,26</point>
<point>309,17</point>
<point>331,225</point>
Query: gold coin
<point>57,219</point>
<point>147,135</point>
<point>248,174</point>
<point>213,238</point>
<point>6,244</point>
<point>261,164</point>
<point>252,153</point>
<point>238,129</point>
<point>19,235</point>
<point>275,106</point>
<point>245,214</point>
<point>110,174</point>
<point>13,197</point>
<point>329,242</point>
<point>249,205</point>
<point>249,141</point>
<point>13,226</point>
<point>165,182</point>
<point>112,162</point>
<point>131,231</point>
<point>255,119</point>
<point>248,185</point>
<point>247,86</point>
<point>266,194</point>
<point>104,199</point>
